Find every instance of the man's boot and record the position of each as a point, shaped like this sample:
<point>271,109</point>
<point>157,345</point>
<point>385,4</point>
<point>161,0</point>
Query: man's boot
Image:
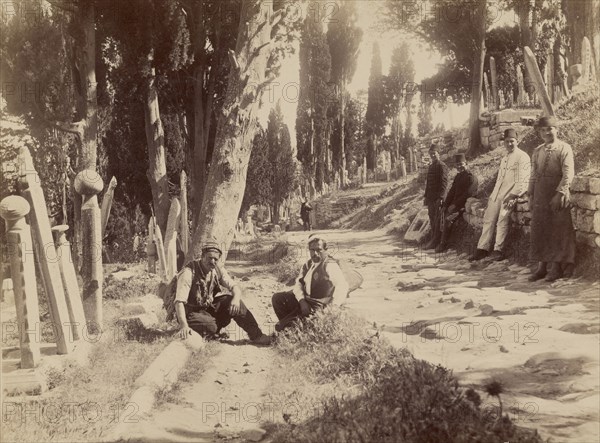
<point>555,272</point>
<point>539,273</point>
<point>479,254</point>
<point>443,241</point>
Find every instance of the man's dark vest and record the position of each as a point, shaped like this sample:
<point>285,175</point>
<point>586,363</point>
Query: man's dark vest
<point>321,287</point>
<point>198,296</point>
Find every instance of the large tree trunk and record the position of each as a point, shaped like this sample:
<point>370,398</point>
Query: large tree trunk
<point>475,145</point>
<point>236,129</point>
<point>157,167</point>
<point>342,159</point>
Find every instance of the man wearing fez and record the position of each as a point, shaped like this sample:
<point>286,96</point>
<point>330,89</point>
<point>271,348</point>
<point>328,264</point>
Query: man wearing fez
<point>435,191</point>
<point>552,233</point>
<point>465,185</point>
<point>207,299</point>
<point>511,183</point>
<point>320,283</point>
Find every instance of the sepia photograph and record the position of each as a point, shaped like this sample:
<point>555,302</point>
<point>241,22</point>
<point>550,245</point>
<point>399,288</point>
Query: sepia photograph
<point>288,221</point>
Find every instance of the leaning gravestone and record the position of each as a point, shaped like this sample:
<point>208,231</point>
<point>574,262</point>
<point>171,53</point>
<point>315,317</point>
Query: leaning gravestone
<point>419,227</point>
<point>51,277</point>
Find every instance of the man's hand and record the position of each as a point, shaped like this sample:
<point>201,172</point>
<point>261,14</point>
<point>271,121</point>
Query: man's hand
<point>509,201</point>
<point>558,202</point>
<point>234,306</point>
<point>304,308</point>
<point>451,209</point>
<point>185,332</point>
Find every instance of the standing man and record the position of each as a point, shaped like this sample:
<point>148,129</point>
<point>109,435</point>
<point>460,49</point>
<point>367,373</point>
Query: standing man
<point>512,183</point>
<point>305,209</point>
<point>552,233</point>
<point>435,191</point>
<point>465,185</point>
<point>320,283</point>
<point>207,299</point>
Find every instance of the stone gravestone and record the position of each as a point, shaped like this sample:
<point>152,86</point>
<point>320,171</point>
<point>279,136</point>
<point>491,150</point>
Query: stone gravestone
<point>184,228</point>
<point>173,222</point>
<point>89,184</point>
<point>521,87</point>
<point>51,277</point>
<point>536,76</point>
<point>13,210</point>
<point>69,278</point>
<point>495,98</point>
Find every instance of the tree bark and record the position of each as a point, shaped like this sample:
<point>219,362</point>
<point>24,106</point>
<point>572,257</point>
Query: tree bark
<point>157,167</point>
<point>475,145</point>
<point>236,129</point>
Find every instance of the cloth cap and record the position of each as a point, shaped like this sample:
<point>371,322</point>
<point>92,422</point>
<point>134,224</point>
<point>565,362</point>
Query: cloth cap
<point>211,246</point>
<point>547,121</point>
<point>458,158</point>
<point>509,133</point>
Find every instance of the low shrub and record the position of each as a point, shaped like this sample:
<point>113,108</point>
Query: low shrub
<point>137,285</point>
<point>400,398</point>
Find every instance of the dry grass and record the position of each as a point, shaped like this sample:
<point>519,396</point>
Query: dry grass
<point>85,400</point>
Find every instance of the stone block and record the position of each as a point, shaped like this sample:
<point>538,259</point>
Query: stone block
<point>585,201</point>
<point>597,222</point>
<point>134,309</point>
<point>137,327</point>
<point>594,184</point>
<point>522,206</point>
<point>584,220</point>
<point>580,184</point>
<point>588,238</point>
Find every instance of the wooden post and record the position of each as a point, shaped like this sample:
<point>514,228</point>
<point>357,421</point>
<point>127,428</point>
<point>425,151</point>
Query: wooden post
<point>89,184</point>
<point>107,203</point>
<point>536,76</point>
<point>173,222</point>
<point>184,230</point>
<point>38,217</point>
<point>69,278</point>
<point>495,98</point>
<point>13,210</point>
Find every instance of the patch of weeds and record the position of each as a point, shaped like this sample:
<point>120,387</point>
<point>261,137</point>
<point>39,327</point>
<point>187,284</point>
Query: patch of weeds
<point>137,285</point>
<point>286,270</point>
<point>399,397</point>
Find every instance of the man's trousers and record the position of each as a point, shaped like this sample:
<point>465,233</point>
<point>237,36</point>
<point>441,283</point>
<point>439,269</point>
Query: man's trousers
<point>495,221</point>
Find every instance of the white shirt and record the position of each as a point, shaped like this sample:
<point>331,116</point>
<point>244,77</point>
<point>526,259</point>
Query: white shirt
<point>340,285</point>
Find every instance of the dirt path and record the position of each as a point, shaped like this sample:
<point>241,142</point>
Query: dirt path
<point>483,321</point>
<point>486,321</point>
<point>228,401</point>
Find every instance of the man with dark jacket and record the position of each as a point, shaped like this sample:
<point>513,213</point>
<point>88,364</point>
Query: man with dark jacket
<point>435,191</point>
<point>465,185</point>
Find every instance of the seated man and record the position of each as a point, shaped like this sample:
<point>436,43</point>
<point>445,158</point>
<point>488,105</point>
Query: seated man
<point>465,185</point>
<point>320,283</point>
<point>207,299</point>
<point>512,182</point>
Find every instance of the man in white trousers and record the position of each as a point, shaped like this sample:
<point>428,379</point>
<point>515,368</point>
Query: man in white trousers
<point>512,182</point>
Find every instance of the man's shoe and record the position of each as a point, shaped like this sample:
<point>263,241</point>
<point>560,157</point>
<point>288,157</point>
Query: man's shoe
<point>263,340</point>
<point>479,254</point>
<point>554,273</point>
<point>441,248</point>
<point>497,256</point>
<point>538,275</point>
<point>569,268</point>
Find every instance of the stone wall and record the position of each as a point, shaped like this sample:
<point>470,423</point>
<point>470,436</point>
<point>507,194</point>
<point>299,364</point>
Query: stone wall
<point>585,211</point>
<point>492,126</point>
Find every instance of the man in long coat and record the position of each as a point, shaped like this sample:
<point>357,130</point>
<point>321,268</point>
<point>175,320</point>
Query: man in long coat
<point>435,192</point>
<point>552,233</point>
<point>512,182</point>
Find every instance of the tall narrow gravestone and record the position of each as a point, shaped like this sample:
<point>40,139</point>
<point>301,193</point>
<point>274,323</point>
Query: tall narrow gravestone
<point>73,296</point>
<point>89,184</point>
<point>520,87</point>
<point>13,210</point>
<point>536,76</point>
<point>495,98</point>
<point>107,203</point>
<point>171,238</point>
<point>184,231</point>
<point>46,252</point>
<point>151,247</point>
